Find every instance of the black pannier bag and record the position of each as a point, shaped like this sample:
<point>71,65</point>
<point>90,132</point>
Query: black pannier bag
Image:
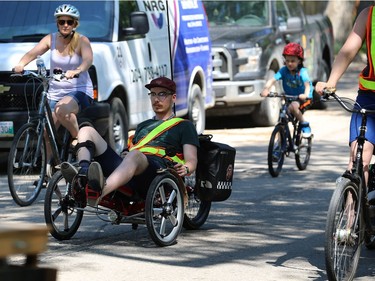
<point>214,174</point>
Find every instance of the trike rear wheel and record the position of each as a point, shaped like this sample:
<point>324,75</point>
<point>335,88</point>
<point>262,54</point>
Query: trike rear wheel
<point>196,212</point>
<point>60,210</point>
<point>164,209</point>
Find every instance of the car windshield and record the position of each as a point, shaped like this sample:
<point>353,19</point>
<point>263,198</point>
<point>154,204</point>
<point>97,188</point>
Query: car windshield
<point>240,13</point>
<point>29,21</point>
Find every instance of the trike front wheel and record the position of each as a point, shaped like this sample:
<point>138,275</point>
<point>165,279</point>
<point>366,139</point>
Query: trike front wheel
<point>164,209</point>
<point>60,209</point>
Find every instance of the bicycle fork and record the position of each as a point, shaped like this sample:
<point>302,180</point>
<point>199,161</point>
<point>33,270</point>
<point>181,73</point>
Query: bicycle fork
<point>288,145</point>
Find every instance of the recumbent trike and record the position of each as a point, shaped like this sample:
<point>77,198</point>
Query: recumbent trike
<point>171,202</point>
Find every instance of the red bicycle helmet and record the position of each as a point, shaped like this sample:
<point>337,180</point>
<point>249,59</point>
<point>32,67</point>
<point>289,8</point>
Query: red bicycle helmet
<point>293,49</point>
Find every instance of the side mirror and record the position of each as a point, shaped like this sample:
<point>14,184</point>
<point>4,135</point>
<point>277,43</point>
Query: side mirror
<point>138,24</point>
<point>293,24</point>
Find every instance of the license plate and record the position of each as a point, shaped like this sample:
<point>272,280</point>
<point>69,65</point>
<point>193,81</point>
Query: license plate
<point>6,129</point>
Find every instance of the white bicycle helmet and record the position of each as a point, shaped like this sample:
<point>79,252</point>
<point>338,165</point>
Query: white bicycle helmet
<point>67,10</point>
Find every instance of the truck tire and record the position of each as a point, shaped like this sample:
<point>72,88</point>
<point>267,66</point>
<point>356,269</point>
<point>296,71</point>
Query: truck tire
<point>267,112</point>
<point>197,113</point>
<point>117,136</point>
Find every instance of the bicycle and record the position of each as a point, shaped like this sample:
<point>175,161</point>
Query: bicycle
<point>286,139</point>
<point>349,214</point>
<point>27,156</point>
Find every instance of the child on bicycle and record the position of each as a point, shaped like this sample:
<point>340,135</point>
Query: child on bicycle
<point>296,82</point>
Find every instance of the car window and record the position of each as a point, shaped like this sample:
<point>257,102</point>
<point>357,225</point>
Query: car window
<point>241,13</point>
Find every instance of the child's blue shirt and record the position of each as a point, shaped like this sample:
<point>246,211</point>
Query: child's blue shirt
<point>294,84</point>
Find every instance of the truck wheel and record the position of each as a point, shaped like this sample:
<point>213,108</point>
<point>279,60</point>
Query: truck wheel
<point>117,135</point>
<point>267,112</point>
<point>323,76</point>
<point>197,113</point>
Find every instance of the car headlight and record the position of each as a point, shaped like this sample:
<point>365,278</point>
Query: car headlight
<point>249,59</point>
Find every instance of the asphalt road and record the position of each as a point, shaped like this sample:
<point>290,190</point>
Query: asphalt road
<point>269,229</point>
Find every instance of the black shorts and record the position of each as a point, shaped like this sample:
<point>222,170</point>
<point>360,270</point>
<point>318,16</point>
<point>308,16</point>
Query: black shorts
<point>110,160</point>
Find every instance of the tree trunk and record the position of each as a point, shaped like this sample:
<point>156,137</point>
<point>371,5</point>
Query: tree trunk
<point>341,14</point>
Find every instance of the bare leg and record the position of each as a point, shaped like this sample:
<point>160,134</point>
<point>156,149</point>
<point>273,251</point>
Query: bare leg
<point>368,149</point>
<point>133,164</point>
<point>66,110</point>
<point>88,133</point>
<point>294,109</point>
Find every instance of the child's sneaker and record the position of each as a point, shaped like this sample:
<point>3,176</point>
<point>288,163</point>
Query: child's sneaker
<point>95,183</point>
<point>306,130</point>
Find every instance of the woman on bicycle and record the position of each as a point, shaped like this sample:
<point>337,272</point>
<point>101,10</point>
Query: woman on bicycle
<point>296,82</point>
<point>362,30</point>
<point>71,52</point>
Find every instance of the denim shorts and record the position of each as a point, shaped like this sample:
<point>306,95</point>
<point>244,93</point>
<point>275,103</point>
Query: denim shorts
<point>81,98</point>
<point>366,100</point>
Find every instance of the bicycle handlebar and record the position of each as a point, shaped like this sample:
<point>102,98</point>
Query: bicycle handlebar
<point>282,95</point>
<point>356,108</point>
<point>58,75</point>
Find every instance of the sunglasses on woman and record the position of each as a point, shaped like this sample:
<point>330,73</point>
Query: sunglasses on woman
<point>62,22</point>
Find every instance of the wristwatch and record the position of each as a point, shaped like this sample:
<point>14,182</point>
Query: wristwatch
<point>187,169</point>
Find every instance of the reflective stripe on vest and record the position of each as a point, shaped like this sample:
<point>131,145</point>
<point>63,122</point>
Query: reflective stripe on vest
<point>158,151</point>
<point>368,83</point>
<point>166,125</point>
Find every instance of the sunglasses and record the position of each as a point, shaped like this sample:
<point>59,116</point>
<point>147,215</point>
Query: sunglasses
<point>161,96</point>
<point>62,22</point>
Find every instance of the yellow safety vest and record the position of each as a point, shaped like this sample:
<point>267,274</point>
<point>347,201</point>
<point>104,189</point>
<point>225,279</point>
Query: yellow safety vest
<point>368,82</point>
<point>158,151</point>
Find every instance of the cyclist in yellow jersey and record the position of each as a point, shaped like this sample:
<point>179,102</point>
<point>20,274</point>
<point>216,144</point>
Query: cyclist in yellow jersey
<point>362,31</point>
<point>138,167</point>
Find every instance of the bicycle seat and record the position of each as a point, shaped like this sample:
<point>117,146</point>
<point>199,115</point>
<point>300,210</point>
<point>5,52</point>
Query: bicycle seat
<point>95,111</point>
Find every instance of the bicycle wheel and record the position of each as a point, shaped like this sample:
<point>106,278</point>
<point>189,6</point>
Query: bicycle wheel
<point>60,211</point>
<point>276,149</point>
<point>26,165</point>
<point>344,232</point>
<point>302,155</point>
<point>164,209</point>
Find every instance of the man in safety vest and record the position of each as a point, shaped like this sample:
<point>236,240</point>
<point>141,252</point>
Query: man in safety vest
<point>137,167</point>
